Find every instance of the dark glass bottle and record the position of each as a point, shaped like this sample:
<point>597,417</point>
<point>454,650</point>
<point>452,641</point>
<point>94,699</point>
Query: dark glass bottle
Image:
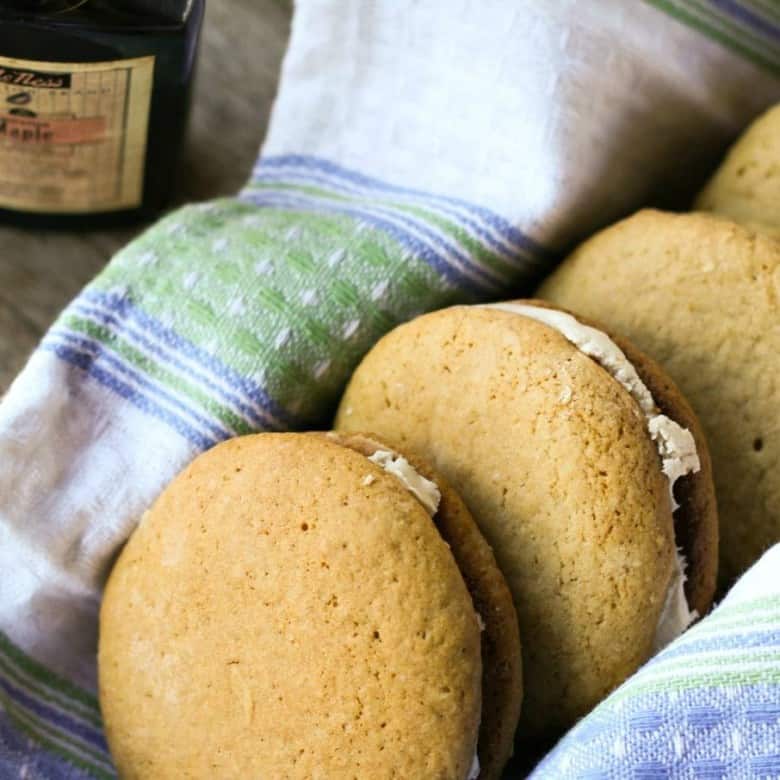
<point>94,99</point>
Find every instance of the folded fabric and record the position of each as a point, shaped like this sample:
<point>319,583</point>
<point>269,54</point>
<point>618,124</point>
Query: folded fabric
<point>418,156</point>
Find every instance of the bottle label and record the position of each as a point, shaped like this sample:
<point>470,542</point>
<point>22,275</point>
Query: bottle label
<point>73,135</point>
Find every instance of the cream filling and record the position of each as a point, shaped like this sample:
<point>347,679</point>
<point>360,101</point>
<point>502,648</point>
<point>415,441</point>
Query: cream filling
<point>423,489</point>
<point>676,444</point>
<point>474,770</point>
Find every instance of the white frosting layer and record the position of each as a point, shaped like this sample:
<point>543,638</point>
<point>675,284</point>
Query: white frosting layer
<point>677,448</point>
<point>423,489</point>
<point>676,615</point>
<point>474,770</point>
<point>676,444</point>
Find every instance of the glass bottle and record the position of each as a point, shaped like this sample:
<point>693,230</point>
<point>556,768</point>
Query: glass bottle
<point>94,99</point>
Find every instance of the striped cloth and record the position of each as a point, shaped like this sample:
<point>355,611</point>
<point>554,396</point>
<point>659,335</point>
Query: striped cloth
<point>447,156</point>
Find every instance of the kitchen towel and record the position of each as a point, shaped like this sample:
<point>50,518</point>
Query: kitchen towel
<point>420,154</point>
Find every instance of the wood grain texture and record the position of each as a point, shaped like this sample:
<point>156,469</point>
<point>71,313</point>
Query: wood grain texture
<point>241,51</point>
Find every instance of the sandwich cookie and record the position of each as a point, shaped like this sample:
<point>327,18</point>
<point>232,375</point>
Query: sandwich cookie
<point>702,295</point>
<point>288,608</point>
<point>571,453</point>
<point>746,187</point>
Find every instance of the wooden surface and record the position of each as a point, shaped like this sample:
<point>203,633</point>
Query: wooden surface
<point>242,47</point>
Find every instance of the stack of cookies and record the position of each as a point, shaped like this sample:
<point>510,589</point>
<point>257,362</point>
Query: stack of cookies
<point>515,510</point>
<point>301,605</point>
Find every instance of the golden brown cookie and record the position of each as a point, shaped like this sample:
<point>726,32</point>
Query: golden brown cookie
<point>700,293</point>
<point>501,665</point>
<point>553,457</point>
<point>746,187</point>
<point>288,609</point>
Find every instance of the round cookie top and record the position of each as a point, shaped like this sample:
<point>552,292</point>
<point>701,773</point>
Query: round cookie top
<point>288,609</point>
<point>702,295</point>
<point>552,457</point>
<point>746,187</point>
